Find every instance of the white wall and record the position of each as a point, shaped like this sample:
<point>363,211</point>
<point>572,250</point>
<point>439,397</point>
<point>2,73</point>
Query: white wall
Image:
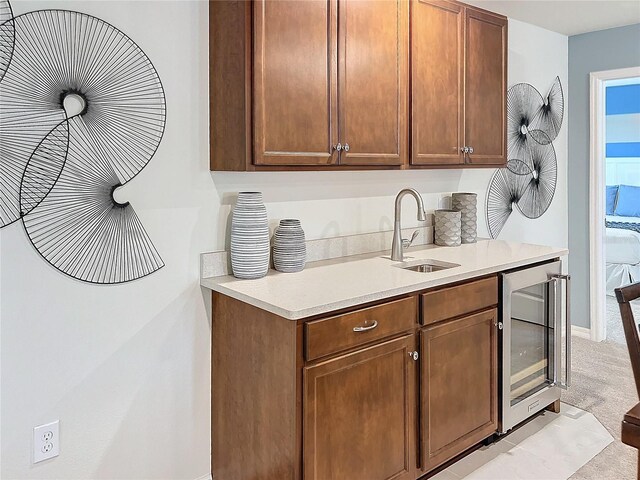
<point>126,368</point>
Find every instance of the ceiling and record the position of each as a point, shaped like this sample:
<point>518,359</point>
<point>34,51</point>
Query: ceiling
<point>568,17</point>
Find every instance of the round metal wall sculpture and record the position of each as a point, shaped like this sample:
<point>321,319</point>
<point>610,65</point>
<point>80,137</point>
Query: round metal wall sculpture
<point>82,112</point>
<point>548,118</point>
<point>7,36</point>
<point>523,102</point>
<point>529,180</point>
<point>505,189</point>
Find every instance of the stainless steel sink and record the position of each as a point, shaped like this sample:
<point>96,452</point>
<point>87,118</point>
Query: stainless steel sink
<point>428,266</point>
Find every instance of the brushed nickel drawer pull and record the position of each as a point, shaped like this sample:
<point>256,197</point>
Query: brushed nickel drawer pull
<point>365,329</point>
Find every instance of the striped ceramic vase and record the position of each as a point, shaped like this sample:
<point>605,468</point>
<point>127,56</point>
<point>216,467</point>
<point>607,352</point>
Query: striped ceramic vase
<point>289,247</point>
<point>249,237</point>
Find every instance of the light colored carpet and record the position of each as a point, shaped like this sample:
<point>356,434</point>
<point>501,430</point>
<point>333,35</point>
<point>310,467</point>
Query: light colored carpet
<point>602,383</point>
<point>615,333</point>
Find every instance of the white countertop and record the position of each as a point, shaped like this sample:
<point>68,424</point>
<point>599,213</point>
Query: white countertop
<point>344,282</point>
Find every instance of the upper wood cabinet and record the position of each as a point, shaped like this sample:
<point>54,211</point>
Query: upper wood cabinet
<point>458,85</point>
<point>331,84</point>
<point>295,82</point>
<point>485,87</point>
<point>437,83</point>
<point>373,82</point>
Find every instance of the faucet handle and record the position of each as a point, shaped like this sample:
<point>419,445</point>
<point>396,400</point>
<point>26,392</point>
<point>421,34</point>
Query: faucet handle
<point>406,243</point>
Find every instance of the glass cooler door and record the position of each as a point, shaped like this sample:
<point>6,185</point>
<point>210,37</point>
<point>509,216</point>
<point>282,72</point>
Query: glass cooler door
<point>532,341</point>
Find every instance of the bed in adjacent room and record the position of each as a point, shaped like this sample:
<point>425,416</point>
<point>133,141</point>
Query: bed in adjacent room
<point>622,241</point>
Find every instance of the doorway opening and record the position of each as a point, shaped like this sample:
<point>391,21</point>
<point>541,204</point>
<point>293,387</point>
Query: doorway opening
<point>614,184</point>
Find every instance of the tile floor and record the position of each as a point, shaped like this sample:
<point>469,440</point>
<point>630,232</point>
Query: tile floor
<point>550,447</point>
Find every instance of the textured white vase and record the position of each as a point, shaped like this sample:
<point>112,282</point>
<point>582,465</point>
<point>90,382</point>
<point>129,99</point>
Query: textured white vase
<point>289,247</point>
<point>467,205</point>
<point>447,228</point>
<point>249,237</point>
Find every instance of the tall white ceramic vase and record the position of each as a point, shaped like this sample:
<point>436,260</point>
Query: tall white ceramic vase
<point>249,237</point>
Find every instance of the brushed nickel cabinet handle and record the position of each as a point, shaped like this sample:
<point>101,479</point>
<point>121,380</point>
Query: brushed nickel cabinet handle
<point>464,149</point>
<point>337,147</point>
<point>567,298</point>
<point>414,355</point>
<point>367,328</point>
<point>346,147</point>
<point>470,149</point>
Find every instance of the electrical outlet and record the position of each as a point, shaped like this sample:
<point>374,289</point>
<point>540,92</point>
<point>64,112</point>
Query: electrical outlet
<point>46,441</point>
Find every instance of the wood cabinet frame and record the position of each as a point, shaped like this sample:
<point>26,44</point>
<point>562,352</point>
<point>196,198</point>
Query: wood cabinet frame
<point>230,141</point>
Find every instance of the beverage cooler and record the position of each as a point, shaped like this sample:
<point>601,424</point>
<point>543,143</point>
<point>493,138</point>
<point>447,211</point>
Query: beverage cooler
<point>535,340</point>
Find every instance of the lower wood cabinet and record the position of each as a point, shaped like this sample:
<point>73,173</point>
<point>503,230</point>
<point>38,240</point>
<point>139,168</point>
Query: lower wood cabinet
<point>359,414</point>
<point>364,394</point>
<point>458,398</point>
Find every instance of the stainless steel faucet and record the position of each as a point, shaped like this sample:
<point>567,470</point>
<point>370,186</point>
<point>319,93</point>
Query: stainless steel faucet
<point>398,242</point>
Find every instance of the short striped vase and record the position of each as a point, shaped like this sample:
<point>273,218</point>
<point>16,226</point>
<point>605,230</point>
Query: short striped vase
<point>289,247</point>
<point>249,237</point>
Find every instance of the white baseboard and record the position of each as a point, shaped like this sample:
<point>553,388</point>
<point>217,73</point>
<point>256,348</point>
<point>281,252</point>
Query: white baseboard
<point>582,332</point>
<point>205,477</point>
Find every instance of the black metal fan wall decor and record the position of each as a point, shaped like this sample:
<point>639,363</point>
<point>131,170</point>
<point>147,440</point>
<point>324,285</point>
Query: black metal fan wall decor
<point>530,177</point>
<point>82,112</point>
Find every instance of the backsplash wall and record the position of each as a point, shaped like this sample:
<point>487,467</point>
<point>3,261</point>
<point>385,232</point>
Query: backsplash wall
<point>127,367</point>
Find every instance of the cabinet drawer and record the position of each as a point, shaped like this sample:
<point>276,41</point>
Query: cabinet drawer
<point>455,301</point>
<point>335,334</point>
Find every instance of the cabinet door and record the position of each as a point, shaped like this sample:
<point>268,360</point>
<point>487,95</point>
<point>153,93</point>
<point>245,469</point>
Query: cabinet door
<point>459,386</point>
<point>373,81</point>
<point>437,69</point>
<point>486,88</point>
<point>359,414</point>
<point>295,82</point>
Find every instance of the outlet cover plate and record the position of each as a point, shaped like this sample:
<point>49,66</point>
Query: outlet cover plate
<point>46,441</point>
